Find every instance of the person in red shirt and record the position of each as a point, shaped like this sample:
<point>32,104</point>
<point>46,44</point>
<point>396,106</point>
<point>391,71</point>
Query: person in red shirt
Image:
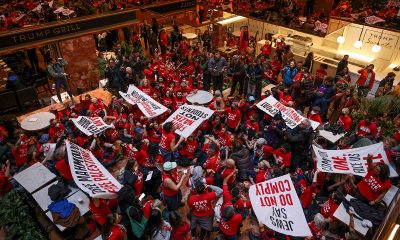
<point>179,100</point>
<point>366,80</point>
<point>284,96</point>
<point>180,228</point>
<point>163,40</point>
<point>167,143</point>
<point>96,107</point>
<point>266,49</point>
<point>171,184</point>
<point>100,210</point>
<point>283,156</point>
<point>314,115</point>
<point>112,230</point>
<point>63,169</point>
<point>201,207</point>
<point>276,66</point>
<point>187,151</point>
<point>262,173</point>
<point>5,183</point>
<point>146,88</point>
<point>213,162</point>
<point>329,207</point>
<point>230,166</point>
<point>56,130</point>
<point>134,177</point>
<point>251,123</point>
<point>345,120</point>
<point>230,222</point>
<point>320,74</point>
<point>366,129</point>
<point>20,151</point>
<point>233,118</point>
<point>373,187</point>
<point>224,137</point>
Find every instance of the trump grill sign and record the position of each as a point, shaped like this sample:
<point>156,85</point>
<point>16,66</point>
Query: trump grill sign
<point>276,204</point>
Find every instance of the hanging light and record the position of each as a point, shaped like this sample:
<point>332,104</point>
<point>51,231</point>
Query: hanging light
<point>340,39</point>
<point>377,48</point>
<point>358,43</point>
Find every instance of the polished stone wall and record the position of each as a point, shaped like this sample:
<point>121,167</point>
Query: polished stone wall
<point>82,68</point>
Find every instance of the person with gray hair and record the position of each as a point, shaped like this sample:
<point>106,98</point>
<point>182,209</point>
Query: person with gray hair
<point>300,140</point>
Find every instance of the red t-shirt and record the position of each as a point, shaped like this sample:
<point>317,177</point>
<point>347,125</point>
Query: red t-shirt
<point>226,173</point>
<point>115,233</point>
<point>225,139</point>
<point>345,121</point>
<point>189,148</point>
<point>155,136</point>
<point>147,89</point>
<point>64,170</point>
<point>112,135</point>
<point>169,192</point>
<point>371,187</point>
<point>328,209</point>
<point>166,139</point>
<point>20,154</point>
<point>262,176</point>
<point>283,158</point>
<point>253,125</point>
<point>99,213</point>
<point>365,130</point>
<point>230,227</point>
<point>56,132</point>
<point>139,183</point>
<point>180,232</point>
<point>315,117</point>
<point>213,163</point>
<point>147,208</point>
<point>320,74</point>
<point>233,117</point>
<point>178,102</point>
<point>201,205</point>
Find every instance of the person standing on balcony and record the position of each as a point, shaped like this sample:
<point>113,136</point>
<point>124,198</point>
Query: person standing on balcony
<point>57,72</point>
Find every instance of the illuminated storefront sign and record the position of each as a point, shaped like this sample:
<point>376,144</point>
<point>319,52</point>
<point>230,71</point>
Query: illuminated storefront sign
<point>63,30</point>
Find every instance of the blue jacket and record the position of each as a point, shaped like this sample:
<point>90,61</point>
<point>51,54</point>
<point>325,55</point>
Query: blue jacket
<point>288,75</point>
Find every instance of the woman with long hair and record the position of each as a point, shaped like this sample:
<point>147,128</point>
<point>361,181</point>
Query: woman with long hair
<point>156,227</point>
<point>112,230</point>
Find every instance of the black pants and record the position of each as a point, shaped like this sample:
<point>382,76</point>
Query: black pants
<point>62,82</point>
<point>206,82</point>
<point>237,79</point>
<point>218,82</point>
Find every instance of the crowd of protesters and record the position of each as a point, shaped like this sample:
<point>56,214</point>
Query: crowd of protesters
<point>16,14</point>
<point>198,187</point>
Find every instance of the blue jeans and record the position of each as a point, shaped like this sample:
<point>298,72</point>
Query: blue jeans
<point>168,156</point>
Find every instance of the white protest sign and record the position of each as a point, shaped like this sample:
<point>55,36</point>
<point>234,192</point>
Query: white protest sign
<point>89,174</point>
<point>90,125</point>
<point>48,150</point>
<point>188,117</point>
<point>276,205</point>
<point>146,104</point>
<point>292,118</point>
<point>353,161</point>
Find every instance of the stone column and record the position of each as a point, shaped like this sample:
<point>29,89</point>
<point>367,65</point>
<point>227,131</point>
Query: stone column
<point>81,55</point>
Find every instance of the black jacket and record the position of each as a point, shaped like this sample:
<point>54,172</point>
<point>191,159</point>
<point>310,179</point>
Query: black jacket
<point>300,139</point>
<point>243,163</point>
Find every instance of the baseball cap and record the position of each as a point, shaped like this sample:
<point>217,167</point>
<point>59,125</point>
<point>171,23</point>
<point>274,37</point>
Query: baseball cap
<point>44,138</point>
<point>251,98</point>
<point>168,166</point>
